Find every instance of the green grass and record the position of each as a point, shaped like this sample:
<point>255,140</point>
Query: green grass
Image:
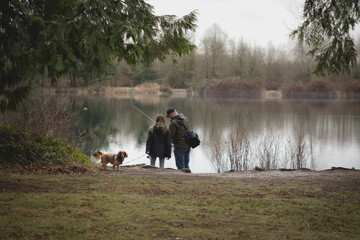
<point>153,206</point>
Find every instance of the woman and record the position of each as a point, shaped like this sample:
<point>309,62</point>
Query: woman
<point>158,143</point>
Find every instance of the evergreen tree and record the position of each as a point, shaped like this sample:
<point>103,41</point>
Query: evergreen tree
<point>326,29</point>
<point>55,35</point>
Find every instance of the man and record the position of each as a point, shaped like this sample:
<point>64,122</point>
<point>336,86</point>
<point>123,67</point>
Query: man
<point>178,127</point>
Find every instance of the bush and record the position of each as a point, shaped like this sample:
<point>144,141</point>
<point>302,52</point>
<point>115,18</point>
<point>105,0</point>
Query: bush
<point>273,85</point>
<point>47,116</point>
<point>20,146</point>
<point>350,89</point>
<point>254,85</point>
<point>150,88</point>
<point>165,90</point>
<point>234,88</point>
<point>293,90</point>
<point>321,88</point>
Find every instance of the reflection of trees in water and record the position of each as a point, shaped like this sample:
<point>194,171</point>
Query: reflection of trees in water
<point>321,120</point>
<point>295,128</point>
<point>98,122</point>
<point>335,120</point>
<point>113,119</point>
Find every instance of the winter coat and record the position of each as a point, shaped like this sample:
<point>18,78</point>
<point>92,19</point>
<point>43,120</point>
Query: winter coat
<point>178,131</point>
<point>157,143</point>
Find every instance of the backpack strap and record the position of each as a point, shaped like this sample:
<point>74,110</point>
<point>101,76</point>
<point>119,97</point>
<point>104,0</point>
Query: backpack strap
<point>182,123</point>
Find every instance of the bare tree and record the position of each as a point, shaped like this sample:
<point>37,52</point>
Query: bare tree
<point>214,45</point>
<point>268,150</point>
<point>238,148</point>
<point>217,155</point>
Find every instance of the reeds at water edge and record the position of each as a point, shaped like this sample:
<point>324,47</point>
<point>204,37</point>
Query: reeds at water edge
<point>239,150</point>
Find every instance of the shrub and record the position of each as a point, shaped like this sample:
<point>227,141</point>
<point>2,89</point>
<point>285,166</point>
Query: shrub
<point>234,88</point>
<point>293,90</point>
<point>254,85</point>
<point>165,90</point>
<point>47,116</point>
<point>273,85</point>
<point>20,146</point>
<point>233,151</point>
<point>321,88</point>
<point>147,88</point>
<point>350,89</point>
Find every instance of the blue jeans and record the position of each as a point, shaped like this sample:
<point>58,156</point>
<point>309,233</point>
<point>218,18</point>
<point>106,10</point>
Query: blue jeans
<point>161,161</point>
<point>182,157</point>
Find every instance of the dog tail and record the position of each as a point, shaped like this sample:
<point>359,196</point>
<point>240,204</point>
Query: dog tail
<point>97,155</point>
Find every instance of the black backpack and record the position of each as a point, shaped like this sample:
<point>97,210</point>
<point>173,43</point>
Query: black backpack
<point>192,138</point>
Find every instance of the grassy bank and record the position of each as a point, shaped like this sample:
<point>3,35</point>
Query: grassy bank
<point>170,205</point>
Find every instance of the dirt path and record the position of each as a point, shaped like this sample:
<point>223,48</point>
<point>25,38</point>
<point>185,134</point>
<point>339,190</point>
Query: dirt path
<point>306,175</point>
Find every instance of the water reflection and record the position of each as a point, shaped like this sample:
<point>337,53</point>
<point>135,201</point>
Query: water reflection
<point>329,132</point>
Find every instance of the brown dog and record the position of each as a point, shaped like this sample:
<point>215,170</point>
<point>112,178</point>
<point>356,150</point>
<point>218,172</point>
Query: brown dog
<point>115,159</point>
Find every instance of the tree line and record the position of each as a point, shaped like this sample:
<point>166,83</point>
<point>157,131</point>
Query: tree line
<point>216,58</point>
<point>90,41</point>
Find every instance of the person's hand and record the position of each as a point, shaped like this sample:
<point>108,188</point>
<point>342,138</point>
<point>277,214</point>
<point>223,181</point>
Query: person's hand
<point>147,153</point>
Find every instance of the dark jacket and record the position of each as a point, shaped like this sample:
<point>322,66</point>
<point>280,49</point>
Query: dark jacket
<point>157,143</point>
<point>178,131</point>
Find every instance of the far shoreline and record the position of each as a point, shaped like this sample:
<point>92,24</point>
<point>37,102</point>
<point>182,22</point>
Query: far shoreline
<point>125,92</point>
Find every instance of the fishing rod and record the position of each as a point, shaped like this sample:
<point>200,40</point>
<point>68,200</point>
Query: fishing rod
<point>141,111</point>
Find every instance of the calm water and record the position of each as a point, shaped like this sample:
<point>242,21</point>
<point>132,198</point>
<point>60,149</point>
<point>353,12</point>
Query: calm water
<point>327,134</point>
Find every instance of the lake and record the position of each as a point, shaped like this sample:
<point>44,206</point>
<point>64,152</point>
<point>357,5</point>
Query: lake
<point>235,133</point>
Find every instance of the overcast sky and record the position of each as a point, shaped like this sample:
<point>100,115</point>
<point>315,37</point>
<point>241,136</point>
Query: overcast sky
<point>255,21</point>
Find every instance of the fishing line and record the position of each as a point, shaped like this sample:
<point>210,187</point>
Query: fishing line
<point>129,161</point>
<point>141,111</point>
<point>145,116</point>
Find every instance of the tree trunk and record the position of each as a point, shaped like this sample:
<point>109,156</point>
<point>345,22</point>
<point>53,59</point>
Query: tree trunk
<point>43,79</point>
<point>53,83</point>
<point>72,80</point>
